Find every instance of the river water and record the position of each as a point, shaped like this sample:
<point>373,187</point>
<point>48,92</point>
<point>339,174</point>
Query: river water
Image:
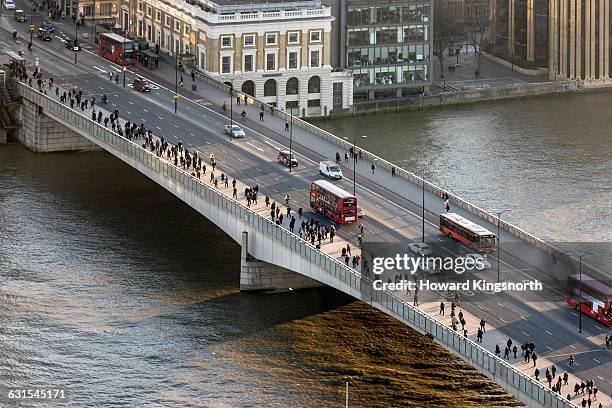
<point>119,294</point>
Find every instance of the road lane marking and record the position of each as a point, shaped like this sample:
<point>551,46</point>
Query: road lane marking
<point>601,378</point>
<point>99,69</point>
<point>145,110</point>
<point>548,332</point>
<point>158,128</point>
<point>480,307</point>
<point>575,314</point>
<point>192,134</point>
<point>115,68</point>
<point>128,112</point>
<point>597,361</point>
<point>499,304</point>
<point>130,102</point>
<point>160,118</point>
<point>548,348</point>
<point>572,346</point>
<point>252,145</point>
<point>524,318</point>
<point>503,320</point>
<point>598,328</point>
<point>176,126</point>
<point>526,334</point>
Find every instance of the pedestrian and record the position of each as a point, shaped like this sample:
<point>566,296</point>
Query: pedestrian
<point>106,121</point>
<point>554,371</point>
<point>507,353</point>
<point>479,335</point>
<point>286,126</point>
<point>447,205</point>
<point>565,378</point>
<point>261,116</point>
<point>537,374</point>
<point>441,308</point>
<point>238,100</point>
<point>393,171</point>
<point>534,357</point>
<point>117,79</point>
<point>300,212</point>
<point>482,325</point>
<point>373,167</point>
<point>110,76</point>
<point>181,81</point>
<point>497,350</point>
<point>514,350</point>
<point>246,100</point>
<point>192,75</point>
<point>348,248</point>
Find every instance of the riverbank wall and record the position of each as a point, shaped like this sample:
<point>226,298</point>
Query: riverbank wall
<point>443,99</point>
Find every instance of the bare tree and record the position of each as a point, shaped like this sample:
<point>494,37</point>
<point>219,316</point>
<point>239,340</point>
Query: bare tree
<point>479,25</point>
<point>445,28</point>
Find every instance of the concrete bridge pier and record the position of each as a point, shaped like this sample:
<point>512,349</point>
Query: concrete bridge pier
<point>42,134</point>
<point>260,276</point>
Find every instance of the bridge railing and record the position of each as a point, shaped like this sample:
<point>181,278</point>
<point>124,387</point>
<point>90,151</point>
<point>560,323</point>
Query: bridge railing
<point>358,285</point>
<point>413,178</point>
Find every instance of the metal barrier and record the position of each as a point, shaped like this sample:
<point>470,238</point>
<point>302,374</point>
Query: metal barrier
<point>511,379</point>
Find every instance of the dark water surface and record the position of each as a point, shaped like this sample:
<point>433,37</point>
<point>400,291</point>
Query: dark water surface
<point>116,292</point>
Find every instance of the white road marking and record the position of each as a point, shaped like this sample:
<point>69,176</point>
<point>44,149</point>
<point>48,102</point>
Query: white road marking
<point>548,348</point>
<point>524,318</point>
<point>601,378</point>
<point>503,320</point>
<point>258,169</point>
<point>597,361</point>
<point>252,145</point>
<point>176,126</point>
<point>190,144</point>
<point>158,128</point>
<point>115,68</point>
<point>526,334</point>
<point>499,304</point>
<point>238,158</point>
<point>480,307</point>
<point>207,142</point>
<point>113,104</point>
<point>598,328</point>
<point>142,120</point>
<point>160,118</point>
<point>99,69</point>
<point>128,112</point>
<point>572,346</point>
<point>192,134</point>
<point>130,102</point>
<point>294,189</point>
<point>62,68</point>
<point>548,332</point>
<point>575,314</point>
<point>145,110</point>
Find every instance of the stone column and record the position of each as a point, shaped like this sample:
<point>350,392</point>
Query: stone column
<point>511,26</point>
<point>606,39</point>
<point>602,34</point>
<point>563,38</point>
<point>587,39</point>
<point>259,276</point>
<point>593,16</point>
<point>553,33</point>
<point>572,41</point>
<point>578,39</point>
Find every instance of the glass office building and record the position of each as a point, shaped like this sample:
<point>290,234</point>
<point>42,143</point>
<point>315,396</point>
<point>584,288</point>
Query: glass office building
<point>388,48</point>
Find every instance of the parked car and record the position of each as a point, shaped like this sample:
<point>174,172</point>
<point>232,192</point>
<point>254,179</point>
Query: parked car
<point>360,212</point>
<point>9,4</point>
<point>141,85</point>
<point>234,131</point>
<point>479,259</point>
<point>20,16</point>
<point>47,26</point>
<point>43,34</point>
<point>420,248</point>
<point>330,170</point>
<point>283,157</point>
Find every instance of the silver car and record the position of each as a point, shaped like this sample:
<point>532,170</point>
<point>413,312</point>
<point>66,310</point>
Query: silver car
<point>234,131</point>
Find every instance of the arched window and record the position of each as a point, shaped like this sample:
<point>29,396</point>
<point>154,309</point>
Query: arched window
<point>248,87</point>
<point>270,88</point>
<point>292,86</point>
<point>314,84</point>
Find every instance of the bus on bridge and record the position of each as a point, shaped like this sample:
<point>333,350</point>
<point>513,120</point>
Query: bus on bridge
<point>591,297</point>
<point>467,232</point>
<point>117,49</point>
<point>333,202</point>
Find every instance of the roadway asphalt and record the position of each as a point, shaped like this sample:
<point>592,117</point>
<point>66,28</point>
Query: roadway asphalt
<point>392,205</point>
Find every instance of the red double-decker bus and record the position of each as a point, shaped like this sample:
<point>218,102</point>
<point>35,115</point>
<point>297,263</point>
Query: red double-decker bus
<point>333,202</point>
<point>465,231</point>
<point>117,48</point>
<point>592,297</point>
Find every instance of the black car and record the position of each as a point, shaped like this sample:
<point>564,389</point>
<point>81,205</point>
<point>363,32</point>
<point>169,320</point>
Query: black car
<point>20,16</point>
<point>72,44</point>
<point>43,34</point>
<point>47,26</point>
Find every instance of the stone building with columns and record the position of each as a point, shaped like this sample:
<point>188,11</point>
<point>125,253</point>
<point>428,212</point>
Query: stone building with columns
<point>570,37</point>
<point>277,51</point>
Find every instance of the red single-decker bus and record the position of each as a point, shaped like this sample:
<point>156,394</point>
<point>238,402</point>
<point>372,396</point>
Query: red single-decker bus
<point>333,202</point>
<point>117,49</point>
<point>592,298</point>
<point>465,231</point>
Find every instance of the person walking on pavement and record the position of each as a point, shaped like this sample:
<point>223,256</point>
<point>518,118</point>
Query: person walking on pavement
<point>393,171</point>
<point>441,308</point>
<point>497,350</point>
<point>537,374</point>
<point>261,116</point>
<point>479,335</point>
<point>482,325</point>
<point>514,350</point>
<point>287,198</point>
<point>373,167</point>
<point>192,75</point>
<point>110,76</point>
<point>286,126</point>
<point>534,357</point>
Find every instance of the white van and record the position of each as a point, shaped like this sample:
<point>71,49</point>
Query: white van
<point>330,170</point>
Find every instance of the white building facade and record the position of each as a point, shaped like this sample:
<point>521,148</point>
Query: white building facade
<point>277,52</point>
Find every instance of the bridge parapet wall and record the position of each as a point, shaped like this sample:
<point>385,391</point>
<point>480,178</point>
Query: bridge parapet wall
<point>276,245</point>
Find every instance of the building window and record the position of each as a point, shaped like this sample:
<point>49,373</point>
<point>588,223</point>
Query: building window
<point>149,33</point>
<point>177,26</point>
<point>88,10</point>
<point>271,61</point>
<point>292,86</point>
<point>106,9</point>
<point>293,60</point>
<point>314,85</point>
<point>315,36</point>
<point>139,28</point>
<point>314,103</point>
<point>293,37</point>
<point>271,39</point>
<point>290,105</point>
<point>167,21</point>
<point>202,59</point>
<point>202,35</point>
<point>248,87</point>
<point>270,88</point>
<point>149,11</point>
<point>315,61</point>
<point>249,40</point>
<point>187,29</point>
<point>226,64</point>
<point>140,6</point>
<point>226,41</point>
<point>248,63</point>
<point>337,95</point>
<point>158,15</point>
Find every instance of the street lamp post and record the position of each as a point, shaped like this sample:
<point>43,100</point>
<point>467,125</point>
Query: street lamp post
<point>580,291</point>
<point>290,139</point>
<point>76,37</point>
<point>93,25</point>
<point>499,213</point>
<point>124,69</point>
<point>231,98</point>
<point>423,205</point>
<point>355,160</point>
<point>176,81</point>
